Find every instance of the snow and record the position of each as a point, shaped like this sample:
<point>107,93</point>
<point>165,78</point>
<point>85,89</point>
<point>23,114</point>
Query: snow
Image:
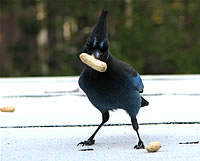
<point>56,101</point>
<point>112,143</point>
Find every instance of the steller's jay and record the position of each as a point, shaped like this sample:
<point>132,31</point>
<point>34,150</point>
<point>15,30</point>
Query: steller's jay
<point>119,87</point>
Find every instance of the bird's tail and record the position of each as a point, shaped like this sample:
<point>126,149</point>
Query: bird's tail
<point>144,102</point>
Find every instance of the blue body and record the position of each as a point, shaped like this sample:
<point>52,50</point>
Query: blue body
<point>119,86</point>
<point>113,89</point>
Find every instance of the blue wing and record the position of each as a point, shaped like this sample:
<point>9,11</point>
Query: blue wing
<point>137,81</point>
<point>134,76</point>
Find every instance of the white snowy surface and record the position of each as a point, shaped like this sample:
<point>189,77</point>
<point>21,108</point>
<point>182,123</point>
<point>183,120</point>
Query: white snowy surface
<point>56,101</point>
<point>112,143</point>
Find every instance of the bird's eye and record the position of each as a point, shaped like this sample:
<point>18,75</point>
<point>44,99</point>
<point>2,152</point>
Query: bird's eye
<point>89,45</point>
<point>104,48</point>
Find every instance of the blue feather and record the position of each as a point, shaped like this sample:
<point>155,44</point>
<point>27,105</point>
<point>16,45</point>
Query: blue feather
<point>120,94</point>
<point>101,44</point>
<point>137,81</point>
<point>95,42</point>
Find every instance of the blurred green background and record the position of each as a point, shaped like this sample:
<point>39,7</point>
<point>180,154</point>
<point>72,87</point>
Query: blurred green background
<point>45,37</point>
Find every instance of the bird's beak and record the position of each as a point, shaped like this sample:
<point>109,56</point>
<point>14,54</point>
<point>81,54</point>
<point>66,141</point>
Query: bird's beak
<point>97,54</point>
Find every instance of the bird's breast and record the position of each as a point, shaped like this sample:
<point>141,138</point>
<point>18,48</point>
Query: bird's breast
<point>108,91</point>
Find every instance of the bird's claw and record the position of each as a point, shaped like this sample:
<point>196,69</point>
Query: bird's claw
<point>140,145</point>
<point>86,143</point>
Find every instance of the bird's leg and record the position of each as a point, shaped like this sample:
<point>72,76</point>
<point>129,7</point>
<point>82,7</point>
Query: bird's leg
<point>91,141</point>
<point>140,144</point>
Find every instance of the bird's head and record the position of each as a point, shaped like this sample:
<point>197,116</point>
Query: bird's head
<point>97,43</point>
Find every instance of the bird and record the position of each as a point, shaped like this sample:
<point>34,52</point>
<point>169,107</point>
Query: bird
<point>119,87</point>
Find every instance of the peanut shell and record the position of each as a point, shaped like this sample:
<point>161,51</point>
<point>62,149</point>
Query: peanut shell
<point>153,146</point>
<point>95,64</point>
<point>7,109</point>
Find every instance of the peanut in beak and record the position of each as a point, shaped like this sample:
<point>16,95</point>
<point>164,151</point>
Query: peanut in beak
<point>93,63</point>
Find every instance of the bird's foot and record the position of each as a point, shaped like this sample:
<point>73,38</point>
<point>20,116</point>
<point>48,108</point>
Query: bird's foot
<point>140,145</point>
<point>87,142</point>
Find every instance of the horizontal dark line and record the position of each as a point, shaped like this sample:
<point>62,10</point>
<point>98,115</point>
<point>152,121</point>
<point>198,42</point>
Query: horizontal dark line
<point>169,78</point>
<point>81,95</point>
<point>30,96</point>
<point>172,94</point>
<point>168,123</point>
<point>191,142</point>
<point>89,125</point>
<point>40,96</point>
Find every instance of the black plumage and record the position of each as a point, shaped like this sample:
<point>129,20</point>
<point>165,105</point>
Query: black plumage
<point>117,88</point>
